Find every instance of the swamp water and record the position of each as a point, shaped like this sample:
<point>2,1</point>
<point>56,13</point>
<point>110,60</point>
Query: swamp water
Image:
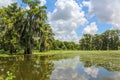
<point>60,67</point>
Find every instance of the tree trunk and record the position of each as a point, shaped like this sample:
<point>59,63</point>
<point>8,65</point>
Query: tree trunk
<point>28,51</point>
<point>42,47</point>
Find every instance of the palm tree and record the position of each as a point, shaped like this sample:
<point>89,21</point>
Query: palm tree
<point>34,26</point>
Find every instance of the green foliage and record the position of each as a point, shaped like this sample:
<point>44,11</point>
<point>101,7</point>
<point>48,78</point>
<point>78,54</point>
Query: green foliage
<point>8,34</point>
<point>19,28</point>
<point>10,76</point>
<point>85,43</point>
<point>59,45</point>
<point>108,40</point>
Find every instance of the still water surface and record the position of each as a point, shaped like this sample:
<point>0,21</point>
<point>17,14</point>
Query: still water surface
<point>58,67</point>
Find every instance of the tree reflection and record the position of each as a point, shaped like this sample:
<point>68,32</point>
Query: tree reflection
<point>29,67</point>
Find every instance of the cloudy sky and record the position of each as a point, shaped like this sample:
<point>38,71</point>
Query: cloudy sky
<point>70,19</point>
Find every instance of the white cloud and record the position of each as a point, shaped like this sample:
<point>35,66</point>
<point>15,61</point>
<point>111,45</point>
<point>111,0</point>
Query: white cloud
<point>43,2</point>
<point>5,3</point>
<point>91,29</point>
<point>115,26</point>
<point>65,19</point>
<point>107,11</point>
<point>88,4</point>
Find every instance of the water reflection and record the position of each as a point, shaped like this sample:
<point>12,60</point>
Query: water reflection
<point>83,68</point>
<point>66,70</point>
<point>92,71</point>
<point>27,67</point>
<point>34,67</point>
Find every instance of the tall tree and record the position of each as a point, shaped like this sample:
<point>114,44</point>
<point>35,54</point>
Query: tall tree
<point>25,25</point>
<point>111,39</point>
<point>86,42</point>
<point>97,42</point>
<point>34,20</point>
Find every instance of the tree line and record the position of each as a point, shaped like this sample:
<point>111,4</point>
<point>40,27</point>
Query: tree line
<point>109,40</point>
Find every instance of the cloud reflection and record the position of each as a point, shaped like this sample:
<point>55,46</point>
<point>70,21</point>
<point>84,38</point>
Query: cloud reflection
<point>93,71</point>
<point>66,70</point>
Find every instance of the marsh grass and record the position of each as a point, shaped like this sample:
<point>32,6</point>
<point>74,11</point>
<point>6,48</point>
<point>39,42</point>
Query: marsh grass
<point>92,54</point>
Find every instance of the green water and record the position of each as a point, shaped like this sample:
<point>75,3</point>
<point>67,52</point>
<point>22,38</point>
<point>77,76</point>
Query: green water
<point>60,67</point>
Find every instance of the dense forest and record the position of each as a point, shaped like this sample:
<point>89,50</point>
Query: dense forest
<point>28,30</point>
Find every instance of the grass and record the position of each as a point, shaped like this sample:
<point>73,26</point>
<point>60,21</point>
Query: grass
<point>3,53</point>
<point>65,52</point>
<point>54,52</point>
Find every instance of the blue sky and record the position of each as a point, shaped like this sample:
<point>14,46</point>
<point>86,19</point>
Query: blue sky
<point>51,5</point>
<point>93,25</point>
<point>70,19</point>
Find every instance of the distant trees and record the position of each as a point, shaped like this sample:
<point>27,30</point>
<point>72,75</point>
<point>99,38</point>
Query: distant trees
<point>109,40</point>
<point>59,45</point>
